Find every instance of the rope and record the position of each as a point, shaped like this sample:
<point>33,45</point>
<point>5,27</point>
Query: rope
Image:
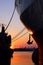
<point>10,19</point>
<point>18,33</point>
<point>20,36</point>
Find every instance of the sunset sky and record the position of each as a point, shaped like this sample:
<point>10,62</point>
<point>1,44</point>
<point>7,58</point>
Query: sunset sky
<point>6,9</point>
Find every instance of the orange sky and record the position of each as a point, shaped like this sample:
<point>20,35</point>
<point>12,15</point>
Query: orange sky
<point>15,26</point>
<point>22,42</point>
<point>6,9</point>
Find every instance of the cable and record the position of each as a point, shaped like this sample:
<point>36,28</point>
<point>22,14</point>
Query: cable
<point>20,36</point>
<point>10,22</point>
<point>10,19</point>
<point>18,33</point>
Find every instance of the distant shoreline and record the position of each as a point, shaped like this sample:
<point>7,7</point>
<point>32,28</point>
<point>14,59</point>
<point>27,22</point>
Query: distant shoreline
<point>24,49</point>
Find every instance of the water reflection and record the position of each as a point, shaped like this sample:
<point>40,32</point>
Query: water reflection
<point>22,58</point>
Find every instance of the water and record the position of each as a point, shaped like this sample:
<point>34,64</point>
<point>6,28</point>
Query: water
<point>22,58</point>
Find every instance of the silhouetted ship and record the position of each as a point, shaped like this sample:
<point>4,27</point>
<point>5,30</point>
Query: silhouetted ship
<point>31,14</point>
<point>5,51</point>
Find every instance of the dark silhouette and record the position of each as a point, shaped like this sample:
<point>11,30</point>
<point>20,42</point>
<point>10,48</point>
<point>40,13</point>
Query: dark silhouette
<point>24,49</point>
<point>35,56</point>
<point>30,42</point>
<point>5,51</point>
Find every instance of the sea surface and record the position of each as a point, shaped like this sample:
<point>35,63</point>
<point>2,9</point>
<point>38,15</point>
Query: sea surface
<point>22,58</point>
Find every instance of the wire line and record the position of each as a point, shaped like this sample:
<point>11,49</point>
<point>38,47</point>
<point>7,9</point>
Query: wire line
<point>10,19</point>
<point>18,33</point>
<point>20,36</point>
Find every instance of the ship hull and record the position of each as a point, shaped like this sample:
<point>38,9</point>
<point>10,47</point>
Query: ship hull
<point>38,36</point>
<point>31,13</point>
<point>32,18</point>
<point>33,21</point>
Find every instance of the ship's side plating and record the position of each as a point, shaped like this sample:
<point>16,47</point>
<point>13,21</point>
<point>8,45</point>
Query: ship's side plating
<point>31,14</point>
